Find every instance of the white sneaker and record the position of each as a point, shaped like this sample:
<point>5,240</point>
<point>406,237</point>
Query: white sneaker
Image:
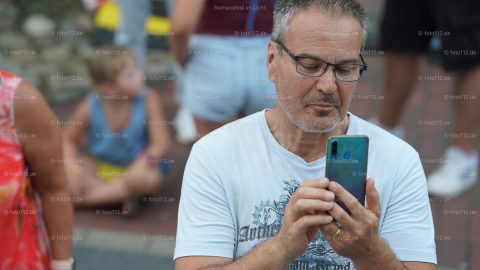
<point>185,126</point>
<point>456,175</point>
<point>398,131</point>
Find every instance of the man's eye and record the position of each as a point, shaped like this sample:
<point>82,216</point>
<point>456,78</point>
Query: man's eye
<point>346,69</point>
<point>310,65</point>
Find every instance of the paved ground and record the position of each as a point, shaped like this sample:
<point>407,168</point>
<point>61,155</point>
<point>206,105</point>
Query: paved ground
<point>106,240</point>
<point>113,249</point>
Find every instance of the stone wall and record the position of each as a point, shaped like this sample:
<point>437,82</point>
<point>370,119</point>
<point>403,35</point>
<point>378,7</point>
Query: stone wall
<point>49,46</point>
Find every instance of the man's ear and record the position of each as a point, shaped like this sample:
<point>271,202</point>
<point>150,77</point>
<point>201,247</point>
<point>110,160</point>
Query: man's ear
<point>271,62</point>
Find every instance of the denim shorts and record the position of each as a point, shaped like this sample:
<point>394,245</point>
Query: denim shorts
<point>226,76</point>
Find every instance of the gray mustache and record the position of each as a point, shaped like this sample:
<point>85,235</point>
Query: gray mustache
<point>319,97</point>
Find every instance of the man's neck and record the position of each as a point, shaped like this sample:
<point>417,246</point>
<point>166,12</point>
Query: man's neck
<point>308,145</point>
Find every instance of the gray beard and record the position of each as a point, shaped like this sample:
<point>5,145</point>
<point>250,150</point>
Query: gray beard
<point>308,126</point>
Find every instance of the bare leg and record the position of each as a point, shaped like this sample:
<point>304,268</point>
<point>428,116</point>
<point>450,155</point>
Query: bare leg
<point>401,77</point>
<point>123,188</point>
<point>460,173</point>
<point>81,175</point>
<point>467,110</point>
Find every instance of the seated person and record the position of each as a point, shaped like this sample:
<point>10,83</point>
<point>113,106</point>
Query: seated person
<point>125,131</point>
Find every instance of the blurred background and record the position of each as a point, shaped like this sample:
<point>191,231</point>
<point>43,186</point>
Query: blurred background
<point>49,42</point>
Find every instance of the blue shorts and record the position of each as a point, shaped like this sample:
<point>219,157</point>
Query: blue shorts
<point>227,76</point>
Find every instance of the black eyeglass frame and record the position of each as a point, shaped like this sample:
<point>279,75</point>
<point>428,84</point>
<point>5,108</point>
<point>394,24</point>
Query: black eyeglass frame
<point>296,58</point>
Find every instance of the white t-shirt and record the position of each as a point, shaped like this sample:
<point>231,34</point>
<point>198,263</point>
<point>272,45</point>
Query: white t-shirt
<point>238,180</point>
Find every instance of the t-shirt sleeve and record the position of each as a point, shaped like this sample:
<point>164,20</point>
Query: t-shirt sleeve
<point>205,224</point>
<point>408,225</point>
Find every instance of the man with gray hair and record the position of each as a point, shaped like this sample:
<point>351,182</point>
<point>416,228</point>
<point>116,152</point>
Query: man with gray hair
<point>254,194</point>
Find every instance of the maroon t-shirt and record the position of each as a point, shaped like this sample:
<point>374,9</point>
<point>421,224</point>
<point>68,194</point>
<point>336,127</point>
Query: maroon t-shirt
<point>229,17</point>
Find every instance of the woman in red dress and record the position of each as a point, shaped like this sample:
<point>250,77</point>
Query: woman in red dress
<point>35,207</point>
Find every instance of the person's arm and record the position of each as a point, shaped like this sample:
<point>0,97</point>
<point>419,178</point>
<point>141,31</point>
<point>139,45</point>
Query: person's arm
<point>43,153</point>
<point>185,17</point>
<point>268,256</point>
<point>383,258</point>
<point>75,131</point>
<point>74,134</point>
<point>158,131</point>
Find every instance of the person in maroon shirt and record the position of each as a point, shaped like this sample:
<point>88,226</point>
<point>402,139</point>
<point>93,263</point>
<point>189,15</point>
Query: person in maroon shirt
<point>221,46</point>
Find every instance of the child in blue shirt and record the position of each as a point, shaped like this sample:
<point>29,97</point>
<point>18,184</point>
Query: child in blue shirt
<point>125,132</point>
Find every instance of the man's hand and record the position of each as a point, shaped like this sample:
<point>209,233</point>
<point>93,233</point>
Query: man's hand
<point>304,213</point>
<point>357,236</point>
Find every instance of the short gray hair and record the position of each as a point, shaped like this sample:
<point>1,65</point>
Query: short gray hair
<point>285,10</point>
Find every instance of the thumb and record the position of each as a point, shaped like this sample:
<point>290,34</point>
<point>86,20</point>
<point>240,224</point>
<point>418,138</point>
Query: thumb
<point>373,198</point>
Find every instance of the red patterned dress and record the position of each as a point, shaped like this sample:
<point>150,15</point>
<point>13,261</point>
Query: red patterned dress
<point>23,242</point>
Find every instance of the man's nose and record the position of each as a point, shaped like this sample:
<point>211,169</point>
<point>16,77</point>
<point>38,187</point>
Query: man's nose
<point>327,83</point>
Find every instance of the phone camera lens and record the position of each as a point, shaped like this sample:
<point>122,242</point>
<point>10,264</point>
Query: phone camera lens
<point>334,148</point>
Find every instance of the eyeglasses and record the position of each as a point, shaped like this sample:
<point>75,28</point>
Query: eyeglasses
<point>312,67</point>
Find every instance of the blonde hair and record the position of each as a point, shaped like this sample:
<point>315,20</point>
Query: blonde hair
<point>107,62</point>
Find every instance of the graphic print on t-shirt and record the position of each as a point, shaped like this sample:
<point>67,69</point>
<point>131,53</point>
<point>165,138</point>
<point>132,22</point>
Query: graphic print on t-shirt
<point>266,222</point>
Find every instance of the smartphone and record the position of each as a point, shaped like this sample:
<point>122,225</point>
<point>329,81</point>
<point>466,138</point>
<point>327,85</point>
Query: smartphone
<point>347,157</point>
